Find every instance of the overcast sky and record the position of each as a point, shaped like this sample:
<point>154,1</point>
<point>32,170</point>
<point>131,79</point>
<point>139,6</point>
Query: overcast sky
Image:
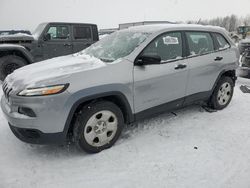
<point>27,14</point>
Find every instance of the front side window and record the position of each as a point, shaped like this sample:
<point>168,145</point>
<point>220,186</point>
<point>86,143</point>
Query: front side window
<point>199,43</point>
<point>167,46</point>
<point>222,42</point>
<point>81,32</point>
<point>58,32</point>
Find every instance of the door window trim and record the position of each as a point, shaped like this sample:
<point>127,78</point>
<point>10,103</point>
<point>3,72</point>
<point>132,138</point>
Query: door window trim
<point>185,45</point>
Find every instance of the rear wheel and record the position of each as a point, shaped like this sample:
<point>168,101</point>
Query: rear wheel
<point>222,94</point>
<point>98,126</point>
<point>10,63</point>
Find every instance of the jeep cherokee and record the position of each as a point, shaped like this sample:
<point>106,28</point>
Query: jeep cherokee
<point>129,75</point>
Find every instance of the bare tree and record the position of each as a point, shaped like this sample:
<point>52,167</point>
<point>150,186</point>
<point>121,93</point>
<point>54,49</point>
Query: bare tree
<point>230,23</point>
<point>246,20</point>
<point>233,23</point>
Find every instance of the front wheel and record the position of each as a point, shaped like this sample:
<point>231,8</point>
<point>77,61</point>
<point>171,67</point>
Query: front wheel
<point>98,126</point>
<point>222,94</point>
<point>10,63</point>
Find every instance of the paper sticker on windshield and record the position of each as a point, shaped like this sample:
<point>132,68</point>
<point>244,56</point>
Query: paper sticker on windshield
<point>170,40</point>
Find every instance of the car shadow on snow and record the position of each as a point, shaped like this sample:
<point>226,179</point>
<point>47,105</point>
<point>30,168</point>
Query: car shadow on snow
<point>159,121</point>
<point>68,150</point>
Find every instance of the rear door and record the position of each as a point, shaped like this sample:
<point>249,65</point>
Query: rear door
<point>203,66</point>
<point>60,42</point>
<point>82,37</point>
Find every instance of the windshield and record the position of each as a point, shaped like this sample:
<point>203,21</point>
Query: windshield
<point>116,45</point>
<point>38,31</point>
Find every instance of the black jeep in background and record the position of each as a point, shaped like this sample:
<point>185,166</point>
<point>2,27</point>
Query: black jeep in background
<point>47,41</point>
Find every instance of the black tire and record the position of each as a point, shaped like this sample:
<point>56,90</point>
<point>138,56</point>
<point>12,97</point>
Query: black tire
<point>85,115</point>
<point>10,63</point>
<point>215,101</point>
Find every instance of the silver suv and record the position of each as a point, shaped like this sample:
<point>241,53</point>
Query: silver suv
<point>132,74</point>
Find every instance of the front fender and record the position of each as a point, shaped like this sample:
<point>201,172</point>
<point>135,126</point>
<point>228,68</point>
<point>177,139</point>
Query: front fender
<point>118,90</point>
<point>19,48</point>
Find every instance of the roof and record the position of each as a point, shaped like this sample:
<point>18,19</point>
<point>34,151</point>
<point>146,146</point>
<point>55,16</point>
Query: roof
<point>67,23</point>
<point>159,27</point>
<point>127,25</point>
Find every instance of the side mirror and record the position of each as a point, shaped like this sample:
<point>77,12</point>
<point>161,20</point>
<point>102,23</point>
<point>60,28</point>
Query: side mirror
<point>47,37</point>
<point>148,60</point>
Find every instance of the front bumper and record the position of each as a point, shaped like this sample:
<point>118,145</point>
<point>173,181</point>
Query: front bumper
<point>48,124</point>
<point>34,136</point>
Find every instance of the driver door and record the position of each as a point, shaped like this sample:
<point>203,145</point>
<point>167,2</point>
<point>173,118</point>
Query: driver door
<point>161,83</point>
<point>59,42</point>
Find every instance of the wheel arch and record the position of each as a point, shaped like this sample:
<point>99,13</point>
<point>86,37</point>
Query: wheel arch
<point>116,97</point>
<point>16,50</point>
<point>228,73</point>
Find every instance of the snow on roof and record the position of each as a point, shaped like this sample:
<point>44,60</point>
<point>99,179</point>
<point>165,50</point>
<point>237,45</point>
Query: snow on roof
<point>16,35</point>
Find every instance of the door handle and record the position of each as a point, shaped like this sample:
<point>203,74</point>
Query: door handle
<point>218,58</point>
<point>180,66</point>
<point>67,44</point>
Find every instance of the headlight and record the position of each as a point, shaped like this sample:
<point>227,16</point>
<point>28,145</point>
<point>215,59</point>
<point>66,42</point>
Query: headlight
<point>41,91</point>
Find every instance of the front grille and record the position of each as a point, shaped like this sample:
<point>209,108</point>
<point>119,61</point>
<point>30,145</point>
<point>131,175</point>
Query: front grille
<point>6,90</point>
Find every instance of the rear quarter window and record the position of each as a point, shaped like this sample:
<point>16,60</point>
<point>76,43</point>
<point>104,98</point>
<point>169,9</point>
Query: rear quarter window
<point>221,41</point>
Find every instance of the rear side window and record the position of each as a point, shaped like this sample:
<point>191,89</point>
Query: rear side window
<point>82,32</point>
<point>167,46</point>
<point>221,41</point>
<point>199,43</point>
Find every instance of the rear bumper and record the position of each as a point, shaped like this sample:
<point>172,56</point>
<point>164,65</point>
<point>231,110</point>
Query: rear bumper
<point>34,136</point>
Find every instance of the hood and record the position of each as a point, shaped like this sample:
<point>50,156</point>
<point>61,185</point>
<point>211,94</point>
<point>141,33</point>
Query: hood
<point>51,71</point>
<point>16,37</point>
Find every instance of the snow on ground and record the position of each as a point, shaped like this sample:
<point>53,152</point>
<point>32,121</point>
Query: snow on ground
<point>158,152</point>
